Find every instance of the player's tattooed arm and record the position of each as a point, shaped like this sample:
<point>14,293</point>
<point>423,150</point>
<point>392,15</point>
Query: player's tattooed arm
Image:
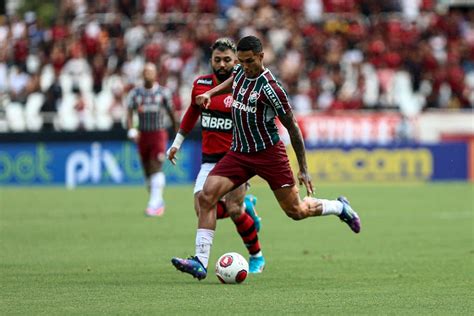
<point>289,121</point>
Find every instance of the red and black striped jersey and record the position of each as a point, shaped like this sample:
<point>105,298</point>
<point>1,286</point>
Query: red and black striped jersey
<point>216,120</point>
<point>152,106</point>
<point>257,101</point>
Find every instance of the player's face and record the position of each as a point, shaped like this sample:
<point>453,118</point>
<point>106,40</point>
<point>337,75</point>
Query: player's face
<point>251,62</point>
<point>222,63</point>
<point>149,73</point>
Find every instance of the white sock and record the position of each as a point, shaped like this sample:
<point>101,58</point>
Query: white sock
<point>204,239</point>
<point>331,207</point>
<point>258,254</point>
<point>157,184</point>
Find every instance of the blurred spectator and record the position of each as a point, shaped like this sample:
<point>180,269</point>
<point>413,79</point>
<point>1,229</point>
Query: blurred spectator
<point>135,36</point>
<point>3,72</point>
<point>50,105</point>
<point>115,103</point>
<point>98,72</point>
<point>76,73</point>
<point>18,85</point>
<point>4,30</point>
<point>82,107</point>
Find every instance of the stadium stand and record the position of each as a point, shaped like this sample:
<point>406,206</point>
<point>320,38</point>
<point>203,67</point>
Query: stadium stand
<point>332,55</point>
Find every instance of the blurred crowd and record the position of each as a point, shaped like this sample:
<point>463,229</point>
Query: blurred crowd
<point>331,55</point>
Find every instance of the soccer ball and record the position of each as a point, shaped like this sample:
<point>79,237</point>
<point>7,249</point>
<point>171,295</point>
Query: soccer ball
<point>231,268</point>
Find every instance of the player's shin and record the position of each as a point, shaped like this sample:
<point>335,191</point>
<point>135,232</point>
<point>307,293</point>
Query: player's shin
<point>204,238</point>
<point>157,184</point>
<point>331,207</point>
<point>317,207</point>
<point>311,206</point>
<point>246,228</point>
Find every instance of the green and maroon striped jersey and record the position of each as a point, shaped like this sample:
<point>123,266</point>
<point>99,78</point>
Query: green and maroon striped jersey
<point>151,106</point>
<point>257,101</point>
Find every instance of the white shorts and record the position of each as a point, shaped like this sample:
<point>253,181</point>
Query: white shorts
<point>202,176</point>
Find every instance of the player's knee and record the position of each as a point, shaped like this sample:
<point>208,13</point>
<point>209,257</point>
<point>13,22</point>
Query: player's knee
<point>206,200</point>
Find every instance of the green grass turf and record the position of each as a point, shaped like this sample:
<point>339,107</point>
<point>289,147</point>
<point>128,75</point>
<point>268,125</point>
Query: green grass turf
<point>91,251</point>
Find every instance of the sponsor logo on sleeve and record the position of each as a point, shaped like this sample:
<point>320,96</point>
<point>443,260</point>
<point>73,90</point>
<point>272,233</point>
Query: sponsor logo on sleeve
<point>272,96</point>
<point>206,82</point>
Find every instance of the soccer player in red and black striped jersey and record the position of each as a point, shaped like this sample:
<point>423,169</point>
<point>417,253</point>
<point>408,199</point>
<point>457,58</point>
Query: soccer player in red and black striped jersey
<point>216,124</point>
<point>257,150</point>
<point>153,103</point>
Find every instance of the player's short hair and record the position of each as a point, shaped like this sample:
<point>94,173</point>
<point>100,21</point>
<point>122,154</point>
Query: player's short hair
<point>250,43</point>
<point>222,44</point>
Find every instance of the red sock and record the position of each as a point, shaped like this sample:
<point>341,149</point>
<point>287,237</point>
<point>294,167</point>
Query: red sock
<point>246,228</point>
<point>221,210</point>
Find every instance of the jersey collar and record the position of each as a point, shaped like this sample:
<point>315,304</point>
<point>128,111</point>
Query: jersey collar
<point>265,70</point>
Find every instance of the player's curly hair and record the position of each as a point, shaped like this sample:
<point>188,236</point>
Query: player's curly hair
<point>223,44</point>
<point>252,43</point>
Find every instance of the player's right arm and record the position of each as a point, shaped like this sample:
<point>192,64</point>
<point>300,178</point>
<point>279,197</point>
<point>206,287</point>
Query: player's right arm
<point>204,100</point>
<point>132,132</point>
<point>187,124</point>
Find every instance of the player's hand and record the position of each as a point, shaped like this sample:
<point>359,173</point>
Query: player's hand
<point>304,178</point>
<point>171,154</point>
<point>132,134</point>
<point>203,100</point>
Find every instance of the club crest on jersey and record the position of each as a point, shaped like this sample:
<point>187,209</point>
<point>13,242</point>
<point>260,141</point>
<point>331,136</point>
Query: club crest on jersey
<point>228,101</point>
<point>253,96</point>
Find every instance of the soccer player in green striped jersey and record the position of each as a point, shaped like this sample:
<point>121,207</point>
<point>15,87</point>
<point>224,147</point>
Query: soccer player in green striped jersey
<point>153,103</point>
<point>257,150</point>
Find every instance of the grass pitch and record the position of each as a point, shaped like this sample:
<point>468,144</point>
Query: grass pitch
<point>91,251</point>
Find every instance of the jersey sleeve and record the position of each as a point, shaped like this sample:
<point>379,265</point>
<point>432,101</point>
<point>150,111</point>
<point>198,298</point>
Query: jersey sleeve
<point>277,97</point>
<point>192,113</point>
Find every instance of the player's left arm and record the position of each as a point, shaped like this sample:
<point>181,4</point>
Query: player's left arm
<point>289,121</point>
<point>278,99</point>
<point>187,124</point>
<point>170,110</point>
